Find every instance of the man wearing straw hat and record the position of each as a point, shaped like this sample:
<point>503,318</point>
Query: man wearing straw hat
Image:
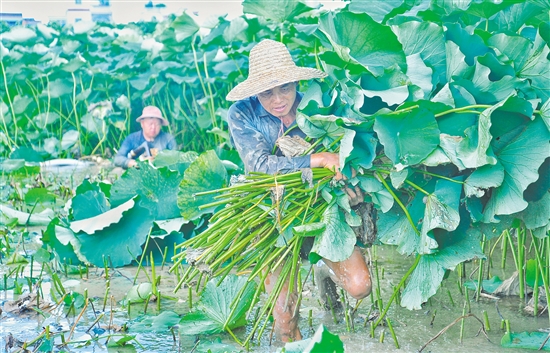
<point>264,111</point>
<point>146,143</point>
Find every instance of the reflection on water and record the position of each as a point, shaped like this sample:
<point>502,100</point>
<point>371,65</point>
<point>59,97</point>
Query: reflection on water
<point>413,328</point>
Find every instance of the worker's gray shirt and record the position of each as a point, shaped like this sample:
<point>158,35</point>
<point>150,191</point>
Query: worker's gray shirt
<point>254,132</point>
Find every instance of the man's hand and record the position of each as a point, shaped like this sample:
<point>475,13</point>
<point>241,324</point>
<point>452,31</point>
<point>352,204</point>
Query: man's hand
<point>327,160</point>
<point>132,163</point>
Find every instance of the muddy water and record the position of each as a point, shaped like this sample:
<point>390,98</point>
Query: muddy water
<point>413,328</point>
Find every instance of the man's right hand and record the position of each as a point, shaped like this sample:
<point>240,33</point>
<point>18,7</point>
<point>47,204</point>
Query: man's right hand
<point>132,163</point>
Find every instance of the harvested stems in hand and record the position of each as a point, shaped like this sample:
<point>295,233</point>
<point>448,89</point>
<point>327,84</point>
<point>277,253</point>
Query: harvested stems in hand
<point>253,232</point>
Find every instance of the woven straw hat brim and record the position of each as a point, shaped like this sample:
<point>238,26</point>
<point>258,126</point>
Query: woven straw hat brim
<point>257,84</point>
<point>164,122</point>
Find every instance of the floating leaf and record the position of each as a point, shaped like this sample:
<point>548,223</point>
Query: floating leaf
<point>162,322</point>
<point>218,308</point>
<point>488,285</point>
<point>527,340</point>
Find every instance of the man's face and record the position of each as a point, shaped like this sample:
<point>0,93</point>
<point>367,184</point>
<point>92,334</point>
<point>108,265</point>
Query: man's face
<point>278,101</point>
<point>151,127</point>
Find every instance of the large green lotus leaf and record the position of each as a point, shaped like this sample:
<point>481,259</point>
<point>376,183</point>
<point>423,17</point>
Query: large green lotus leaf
<point>39,196</point>
<point>337,241</point>
<point>100,221</point>
<point>427,276</point>
<point>42,120</point>
<point>158,189</point>
<point>441,212</point>
<point>184,27</point>
<point>380,196</point>
<point>377,9</point>
<point>357,149</point>
<point>487,8</point>
<point>53,237</point>
<point>471,45</point>
<point>162,322</point>
<point>427,40</point>
<point>408,138</point>
<point>423,283</point>
<point>206,173</point>
<point>323,341</point>
<point>88,204</point>
<point>19,34</point>
<point>515,47</point>
<point>57,88</point>
<point>482,179</point>
<point>218,301</point>
<point>537,214</point>
<point>487,91</point>
<point>526,340</point>
<point>175,160</point>
<point>420,74</point>
<point>277,11</point>
<point>314,116</point>
<point>395,229</point>
<point>236,30</point>
<point>538,189</point>
<point>198,323</point>
<point>536,68</point>
<point>391,87</point>
<point>512,18</point>
<point>474,149</point>
<point>120,242</point>
<point>521,159</point>
<point>21,104</point>
<point>357,38</point>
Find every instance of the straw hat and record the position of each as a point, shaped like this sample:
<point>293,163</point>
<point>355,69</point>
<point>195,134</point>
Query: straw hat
<point>270,65</point>
<point>152,112</point>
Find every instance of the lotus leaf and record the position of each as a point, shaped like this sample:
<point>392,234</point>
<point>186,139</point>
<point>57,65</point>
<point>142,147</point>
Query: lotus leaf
<point>205,173</point>
<point>322,341</point>
<point>162,322</point>
<point>218,309</point>
<point>275,10</point>
<point>407,138</point>
<point>117,239</point>
<point>357,38</point>
<point>157,189</point>
<point>338,239</point>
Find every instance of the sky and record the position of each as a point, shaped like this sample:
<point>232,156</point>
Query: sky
<point>131,10</point>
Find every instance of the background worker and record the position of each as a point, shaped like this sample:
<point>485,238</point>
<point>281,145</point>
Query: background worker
<point>146,143</point>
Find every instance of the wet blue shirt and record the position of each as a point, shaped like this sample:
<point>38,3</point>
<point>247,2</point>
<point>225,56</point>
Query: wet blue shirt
<point>254,132</point>
<point>163,141</point>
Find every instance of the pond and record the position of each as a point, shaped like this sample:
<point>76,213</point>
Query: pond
<point>92,326</point>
